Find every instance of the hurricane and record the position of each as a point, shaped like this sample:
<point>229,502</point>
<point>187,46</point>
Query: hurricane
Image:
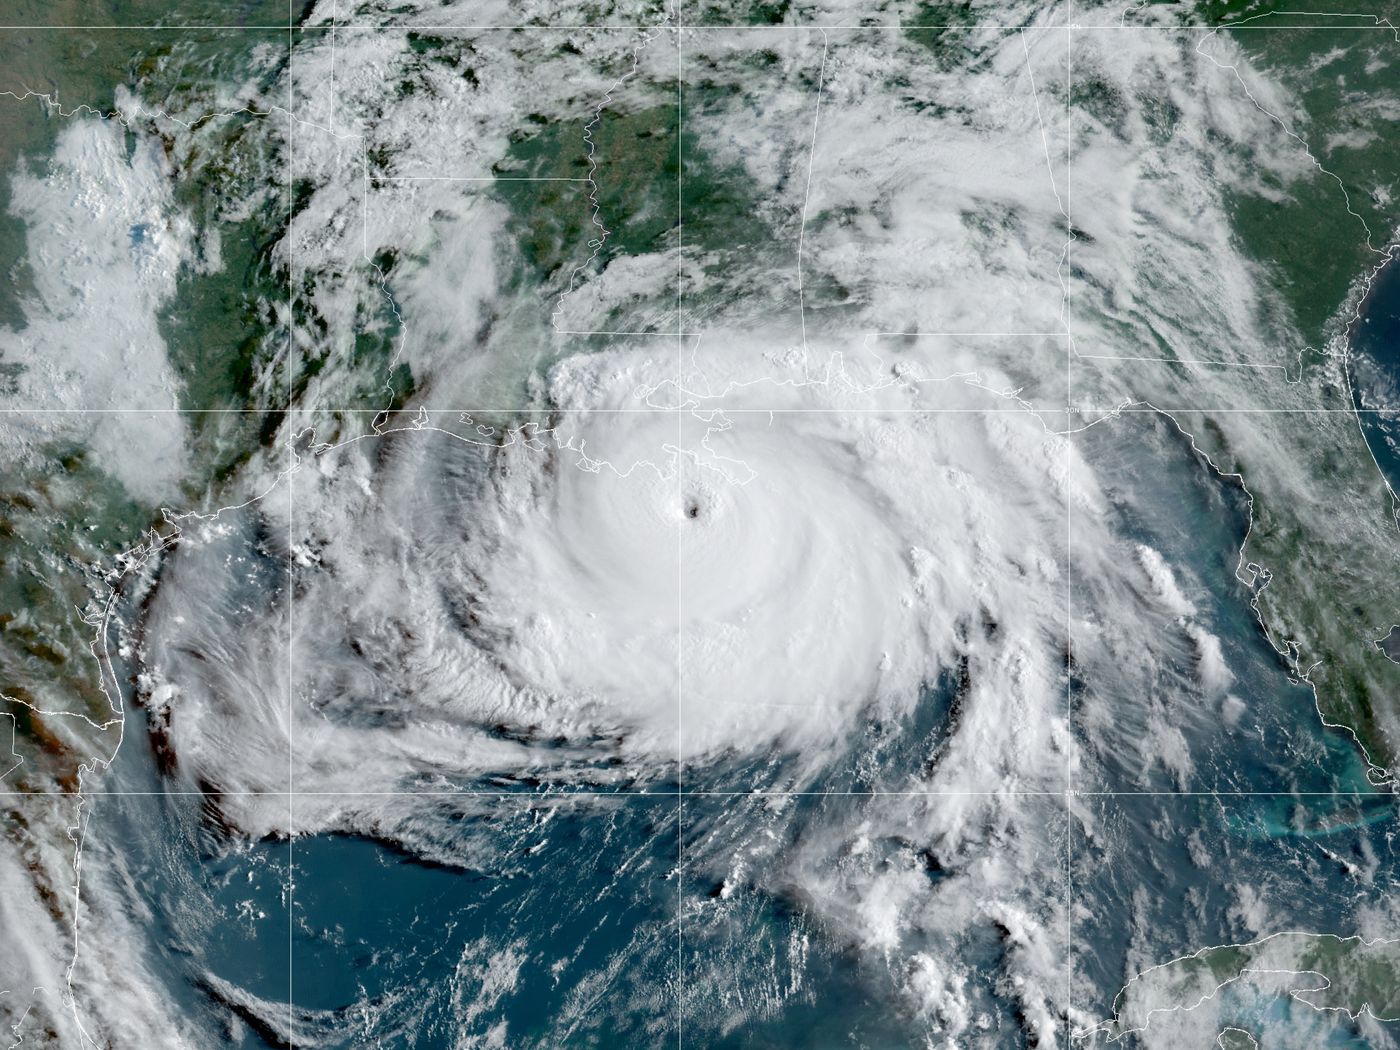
<point>640,526</point>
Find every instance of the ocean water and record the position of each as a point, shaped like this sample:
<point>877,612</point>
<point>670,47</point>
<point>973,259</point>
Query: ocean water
<point>1375,367</point>
<point>554,919</point>
<point>1262,733</point>
<point>851,914</point>
<point>532,919</point>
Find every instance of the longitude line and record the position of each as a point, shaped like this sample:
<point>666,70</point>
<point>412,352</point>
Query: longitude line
<point>1069,524</point>
<point>680,502</point>
<point>291,527</point>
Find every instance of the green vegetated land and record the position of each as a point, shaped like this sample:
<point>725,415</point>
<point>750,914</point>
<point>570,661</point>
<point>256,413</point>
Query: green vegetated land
<point>55,520</point>
<point>62,518</point>
<point>635,168</point>
<point>1324,527</point>
<point>63,523</point>
<point>650,180</point>
<point>226,173</point>
<point>139,13</point>
<point>1321,971</point>
<point>1283,12</point>
<point>1343,79</point>
<point>1265,13</point>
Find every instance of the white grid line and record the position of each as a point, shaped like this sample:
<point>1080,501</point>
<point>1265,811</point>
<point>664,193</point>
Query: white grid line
<point>474,178</point>
<point>681,792</point>
<point>680,533</point>
<point>291,513</point>
<point>1377,26</point>
<point>565,792</point>
<point>1069,526</point>
<point>529,410</point>
<point>807,190</point>
<point>844,333</point>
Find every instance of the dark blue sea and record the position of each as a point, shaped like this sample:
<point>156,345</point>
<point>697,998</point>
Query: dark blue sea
<point>475,918</point>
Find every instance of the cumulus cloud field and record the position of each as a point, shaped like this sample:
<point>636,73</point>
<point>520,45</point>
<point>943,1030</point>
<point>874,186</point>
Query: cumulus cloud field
<point>867,443</point>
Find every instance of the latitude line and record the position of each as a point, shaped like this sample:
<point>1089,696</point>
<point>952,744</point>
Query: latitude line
<point>476,178</point>
<point>427,28</point>
<point>660,796</point>
<point>680,793</point>
<point>679,410</point>
<point>523,410</point>
<point>851,334</point>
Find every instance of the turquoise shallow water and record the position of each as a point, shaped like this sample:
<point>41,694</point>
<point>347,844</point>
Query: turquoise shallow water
<point>520,920</point>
